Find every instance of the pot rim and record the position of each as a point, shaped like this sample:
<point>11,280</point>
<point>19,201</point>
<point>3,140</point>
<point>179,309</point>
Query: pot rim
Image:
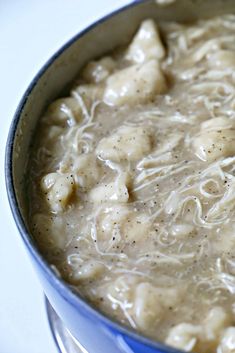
<point>58,283</point>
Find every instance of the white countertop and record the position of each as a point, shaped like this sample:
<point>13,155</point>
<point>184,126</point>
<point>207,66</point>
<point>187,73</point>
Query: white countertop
<point>30,32</point>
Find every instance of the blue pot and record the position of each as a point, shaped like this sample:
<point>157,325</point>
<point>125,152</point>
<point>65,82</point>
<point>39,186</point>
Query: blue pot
<point>96,332</point>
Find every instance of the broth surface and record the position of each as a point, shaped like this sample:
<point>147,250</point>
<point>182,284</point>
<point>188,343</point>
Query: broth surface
<point>132,184</point>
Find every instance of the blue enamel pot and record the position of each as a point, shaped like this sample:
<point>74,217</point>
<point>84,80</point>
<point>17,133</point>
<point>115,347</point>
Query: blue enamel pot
<point>95,331</point>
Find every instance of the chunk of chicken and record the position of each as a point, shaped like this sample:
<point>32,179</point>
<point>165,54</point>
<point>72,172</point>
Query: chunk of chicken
<point>135,84</point>
<point>146,44</point>
<point>127,143</point>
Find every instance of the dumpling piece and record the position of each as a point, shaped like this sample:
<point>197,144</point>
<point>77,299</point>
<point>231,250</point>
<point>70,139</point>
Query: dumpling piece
<point>64,111</point>
<point>99,70</point>
<point>227,344</point>
<point>144,302</point>
<point>200,337</point>
<point>184,336</point>
<point>215,140</point>
<point>150,303</point>
<point>135,84</point>
<point>90,93</point>
<point>136,227</point>
<point>147,308</point>
<point>215,322</point>
<point>53,133</point>
<point>123,224</point>
<point>146,44</point>
<point>115,191</point>
<point>127,143</point>
<point>111,221</point>
<point>122,289</point>
<point>58,189</point>
<point>212,145</point>
<point>86,171</point>
<point>87,270</point>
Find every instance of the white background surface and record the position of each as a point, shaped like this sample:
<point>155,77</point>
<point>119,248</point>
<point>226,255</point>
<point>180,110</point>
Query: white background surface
<point>30,32</point>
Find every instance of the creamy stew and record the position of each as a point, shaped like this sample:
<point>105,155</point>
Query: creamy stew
<point>132,184</point>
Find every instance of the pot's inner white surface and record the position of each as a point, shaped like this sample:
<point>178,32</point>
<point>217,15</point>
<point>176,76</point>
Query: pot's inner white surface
<point>132,183</point>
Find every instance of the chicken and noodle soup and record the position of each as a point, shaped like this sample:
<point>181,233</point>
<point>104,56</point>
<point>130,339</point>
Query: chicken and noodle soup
<point>132,184</point>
